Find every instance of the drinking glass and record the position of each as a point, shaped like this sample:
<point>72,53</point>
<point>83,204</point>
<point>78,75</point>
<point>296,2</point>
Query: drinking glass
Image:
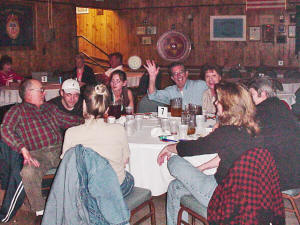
<point>165,124</point>
<point>191,124</point>
<point>173,127</point>
<point>183,128</point>
<point>129,110</point>
<point>176,107</point>
<point>195,109</point>
<point>115,110</point>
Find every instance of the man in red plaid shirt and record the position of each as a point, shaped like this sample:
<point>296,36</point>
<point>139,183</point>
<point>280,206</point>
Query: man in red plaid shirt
<point>33,129</point>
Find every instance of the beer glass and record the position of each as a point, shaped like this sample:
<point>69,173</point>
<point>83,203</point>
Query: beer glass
<point>176,107</point>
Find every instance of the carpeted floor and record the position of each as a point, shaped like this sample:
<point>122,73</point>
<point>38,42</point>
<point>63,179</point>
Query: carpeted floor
<point>25,217</point>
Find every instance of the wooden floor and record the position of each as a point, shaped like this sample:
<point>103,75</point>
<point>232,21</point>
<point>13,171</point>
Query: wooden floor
<point>25,217</point>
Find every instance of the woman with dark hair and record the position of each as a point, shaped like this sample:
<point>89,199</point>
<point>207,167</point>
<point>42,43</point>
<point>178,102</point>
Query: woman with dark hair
<point>118,89</point>
<point>109,140</point>
<point>213,76</point>
<point>7,75</point>
<point>235,135</point>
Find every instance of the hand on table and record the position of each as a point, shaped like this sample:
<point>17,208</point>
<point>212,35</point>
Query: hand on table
<point>28,159</point>
<point>166,152</point>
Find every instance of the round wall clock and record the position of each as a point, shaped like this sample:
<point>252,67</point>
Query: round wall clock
<point>134,62</point>
<point>173,46</point>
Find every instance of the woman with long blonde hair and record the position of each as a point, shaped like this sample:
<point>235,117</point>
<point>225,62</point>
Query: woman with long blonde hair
<point>234,135</point>
<point>109,140</point>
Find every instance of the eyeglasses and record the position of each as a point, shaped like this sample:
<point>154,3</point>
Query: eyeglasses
<point>42,90</point>
<point>178,73</point>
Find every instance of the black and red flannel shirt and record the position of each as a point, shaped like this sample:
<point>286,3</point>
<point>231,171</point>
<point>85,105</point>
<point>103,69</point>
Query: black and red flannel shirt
<point>250,194</point>
<point>25,125</point>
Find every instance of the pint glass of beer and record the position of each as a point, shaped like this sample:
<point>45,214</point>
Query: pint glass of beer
<point>176,107</point>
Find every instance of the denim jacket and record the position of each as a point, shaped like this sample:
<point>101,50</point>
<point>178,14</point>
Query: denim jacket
<point>85,190</point>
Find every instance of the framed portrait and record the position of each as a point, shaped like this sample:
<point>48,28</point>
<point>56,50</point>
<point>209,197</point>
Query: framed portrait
<point>254,33</point>
<point>292,31</point>
<point>80,10</point>
<point>146,41</point>
<point>228,28</point>
<point>17,25</point>
<point>141,30</point>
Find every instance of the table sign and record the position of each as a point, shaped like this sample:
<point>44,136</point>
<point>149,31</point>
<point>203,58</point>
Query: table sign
<point>162,112</point>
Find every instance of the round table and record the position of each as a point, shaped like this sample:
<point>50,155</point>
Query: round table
<point>144,150</point>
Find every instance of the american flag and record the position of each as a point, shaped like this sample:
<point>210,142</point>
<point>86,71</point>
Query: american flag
<point>265,4</point>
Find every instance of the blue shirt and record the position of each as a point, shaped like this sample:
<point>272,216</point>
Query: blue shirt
<point>192,92</point>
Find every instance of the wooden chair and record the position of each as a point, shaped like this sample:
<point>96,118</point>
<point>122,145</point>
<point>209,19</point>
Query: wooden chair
<point>137,200</point>
<point>192,206</point>
<point>292,195</point>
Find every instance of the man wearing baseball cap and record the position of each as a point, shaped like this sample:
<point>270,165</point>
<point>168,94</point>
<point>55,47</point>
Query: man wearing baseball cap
<point>69,100</point>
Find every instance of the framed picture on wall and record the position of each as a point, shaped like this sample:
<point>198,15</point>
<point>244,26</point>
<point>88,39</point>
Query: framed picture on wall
<point>292,31</point>
<point>254,33</point>
<point>17,25</point>
<point>228,28</point>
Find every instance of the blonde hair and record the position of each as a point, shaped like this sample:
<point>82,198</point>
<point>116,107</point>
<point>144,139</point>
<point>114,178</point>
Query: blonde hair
<point>238,107</point>
<point>96,99</point>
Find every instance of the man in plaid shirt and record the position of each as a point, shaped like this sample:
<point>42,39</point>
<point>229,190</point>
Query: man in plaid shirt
<point>33,129</point>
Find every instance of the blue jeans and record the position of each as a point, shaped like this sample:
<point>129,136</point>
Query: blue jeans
<point>189,181</point>
<point>127,184</point>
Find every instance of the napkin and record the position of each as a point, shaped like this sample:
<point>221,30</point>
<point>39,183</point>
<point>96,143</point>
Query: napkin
<point>157,131</point>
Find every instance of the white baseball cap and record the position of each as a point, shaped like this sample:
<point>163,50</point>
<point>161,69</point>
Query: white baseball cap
<point>70,86</point>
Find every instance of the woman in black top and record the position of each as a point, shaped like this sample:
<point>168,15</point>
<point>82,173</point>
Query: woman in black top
<point>234,136</point>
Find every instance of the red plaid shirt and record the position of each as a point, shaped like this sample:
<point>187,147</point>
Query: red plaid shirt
<point>25,125</point>
<point>250,194</point>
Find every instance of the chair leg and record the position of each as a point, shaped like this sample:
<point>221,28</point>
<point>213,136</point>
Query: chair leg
<point>152,212</point>
<point>294,209</point>
<point>150,215</point>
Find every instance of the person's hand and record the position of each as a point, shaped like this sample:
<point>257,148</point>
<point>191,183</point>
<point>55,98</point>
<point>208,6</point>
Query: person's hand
<point>152,69</point>
<point>216,126</point>
<point>166,152</point>
<point>28,160</point>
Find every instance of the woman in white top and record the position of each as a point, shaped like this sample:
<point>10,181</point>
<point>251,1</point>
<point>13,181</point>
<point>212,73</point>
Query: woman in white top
<point>109,140</point>
<point>212,77</point>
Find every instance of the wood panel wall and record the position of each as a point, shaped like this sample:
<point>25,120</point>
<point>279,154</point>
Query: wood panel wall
<point>57,54</point>
<point>118,31</point>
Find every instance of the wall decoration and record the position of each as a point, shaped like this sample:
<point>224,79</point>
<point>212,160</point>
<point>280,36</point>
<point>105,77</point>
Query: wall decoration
<point>146,41</point>
<point>266,19</point>
<point>80,10</point>
<point>292,31</point>
<point>281,19</point>
<point>268,33</point>
<point>292,18</point>
<point>151,30</point>
<point>141,30</point>
<point>281,28</point>
<point>17,25</point>
<point>228,28</point>
<point>173,46</point>
<point>254,33</point>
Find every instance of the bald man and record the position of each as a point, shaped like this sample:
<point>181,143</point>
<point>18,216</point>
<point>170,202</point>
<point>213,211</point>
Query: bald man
<point>32,129</point>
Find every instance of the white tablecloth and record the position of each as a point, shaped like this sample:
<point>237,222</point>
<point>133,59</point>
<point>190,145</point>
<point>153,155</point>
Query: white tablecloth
<point>11,96</point>
<point>288,93</point>
<point>143,166</point>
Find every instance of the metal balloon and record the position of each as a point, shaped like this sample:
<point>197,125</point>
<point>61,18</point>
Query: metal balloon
<point>173,46</point>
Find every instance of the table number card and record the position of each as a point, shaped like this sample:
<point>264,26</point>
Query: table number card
<point>162,112</point>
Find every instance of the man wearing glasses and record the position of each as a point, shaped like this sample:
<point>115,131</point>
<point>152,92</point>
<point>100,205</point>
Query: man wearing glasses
<point>32,129</point>
<point>190,91</point>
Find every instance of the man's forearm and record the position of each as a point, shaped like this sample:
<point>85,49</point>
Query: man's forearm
<point>151,88</point>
